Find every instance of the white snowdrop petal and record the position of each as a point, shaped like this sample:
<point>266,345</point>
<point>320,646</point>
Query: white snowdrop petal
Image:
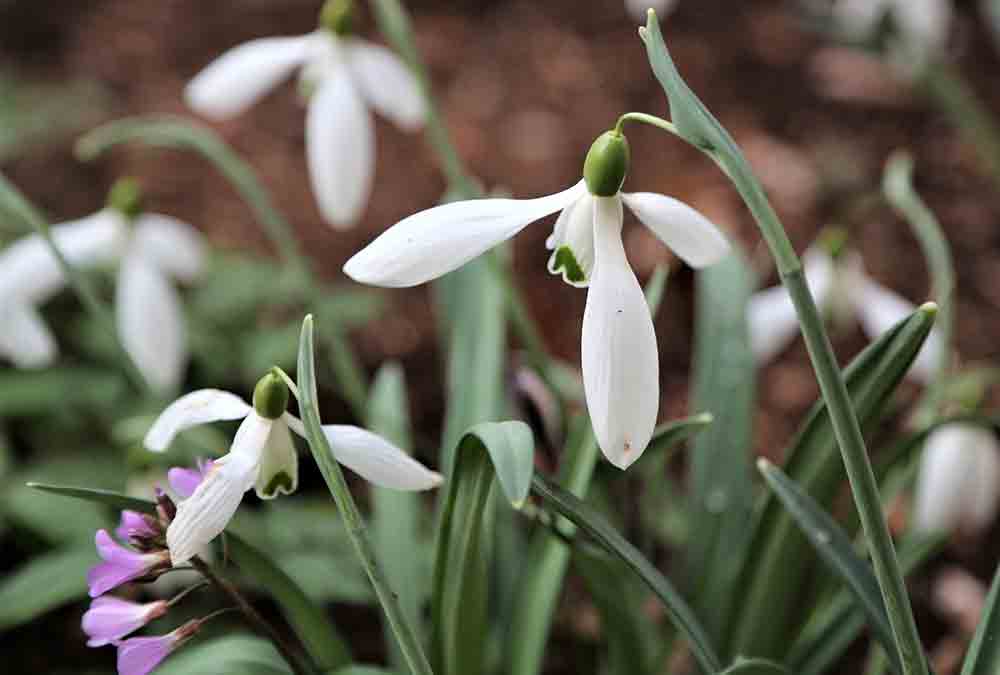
<point>279,465</point>
<point>25,340</point>
<point>689,234</point>
<point>387,84</point>
<point>30,272</point>
<point>377,460</point>
<point>239,78</point>
<point>205,514</point>
<point>984,480</point>
<point>880,308</point>
<point>925,22</point>
<point>947,474</point>
<point>340,148</point>
<point>151,323</point>
<point>432,243</point>
<point>198,407</point>
<point>573,235</point>
<point>174,246</point>
<point>620,360</point>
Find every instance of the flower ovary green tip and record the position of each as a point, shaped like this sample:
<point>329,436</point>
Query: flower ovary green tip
<point>125,197</point>
<point>270,396</point>
<point>567,263</point>
<point>337,16</point>
<point>607,164</point>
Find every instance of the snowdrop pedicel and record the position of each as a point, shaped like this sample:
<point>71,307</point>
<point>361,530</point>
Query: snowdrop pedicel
<point>619,353</point>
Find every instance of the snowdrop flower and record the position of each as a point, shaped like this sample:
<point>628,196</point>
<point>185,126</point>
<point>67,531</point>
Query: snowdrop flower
<point>263,457</point>
<point>343,76</point>
<point>842,291</point>
<point>121,564</point>
<point>639,8</point>
<point>109,619</point>
<point>620,361</point>
<point>959,480</point>
<point>141,655</point>
<point>920,26</point>
<point>152,250</point>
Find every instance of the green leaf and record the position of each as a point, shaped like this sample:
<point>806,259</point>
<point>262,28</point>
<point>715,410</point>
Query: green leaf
<point>503,451</point>
<point>721,493</point>
<point>44,583</point>
<point>107,497</point>
<point>597,527</point>
<point>656,288</point>
<point>318,634</point>
<point>836,551</point>
<point>27,392</point>
<point>396,515</point>
<point>755,667</point>
<point>363,670</point>
<point>236,654</point>
<point>770,603</point>
<point>983,657</point>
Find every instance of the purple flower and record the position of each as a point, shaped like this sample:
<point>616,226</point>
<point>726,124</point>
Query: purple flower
<point>141,655</point>
<point>135,525</point>
<point>184,481</point>
<point>120,564</point>
<point>109,619</point>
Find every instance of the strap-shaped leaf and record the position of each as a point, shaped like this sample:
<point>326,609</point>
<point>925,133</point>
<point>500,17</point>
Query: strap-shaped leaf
<point>983,657</point>
<point>503,451</point>
<point>769,608</point>
<point>597,527</point>
<point>836,551</point>
<point>755,667</point>
<point>44,583</point>
<point>235,654</point>
<point>110,498</point>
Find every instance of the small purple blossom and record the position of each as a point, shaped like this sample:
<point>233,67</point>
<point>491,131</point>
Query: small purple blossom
<point>120,564</point>
<point>135,525</point>
<point>141,655</point>
<point>109,619</point>
<point>183,481</point>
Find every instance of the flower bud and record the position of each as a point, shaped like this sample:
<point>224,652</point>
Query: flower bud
<point>270,396</point>
<point>125,197</point>
<point>607,164</point>
<point>337,16</point>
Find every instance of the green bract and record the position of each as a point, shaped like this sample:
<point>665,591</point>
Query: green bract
<point>125,197</point>
<point>607,164</point>
<point>270,396</point>
<point>337,16</point>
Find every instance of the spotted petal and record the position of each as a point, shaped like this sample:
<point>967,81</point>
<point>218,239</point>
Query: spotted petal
<point>572,243</point>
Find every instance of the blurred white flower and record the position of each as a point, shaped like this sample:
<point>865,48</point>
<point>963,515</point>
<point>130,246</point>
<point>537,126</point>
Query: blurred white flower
<point>152,249</point>
<point>843,291</point>
<point>959,480</point>
<point>638,8</point>
<point>619,353</point>
<point>342,76</point>
<point>263,457</point>
<point>922,26</point>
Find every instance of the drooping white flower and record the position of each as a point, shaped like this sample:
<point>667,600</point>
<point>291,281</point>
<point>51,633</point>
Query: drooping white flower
<point>921,26</point>
<point>959,480</point>
<point>152,250</point>
<point>619,354</point>
<point>638,8</point>
<point>843,291</point>
<point>343,76</point>
<point>263,457</point>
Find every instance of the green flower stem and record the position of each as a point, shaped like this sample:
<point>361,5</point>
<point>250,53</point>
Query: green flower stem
<point>831,382</point>
<point>409,642</point>
<point>13,201</point>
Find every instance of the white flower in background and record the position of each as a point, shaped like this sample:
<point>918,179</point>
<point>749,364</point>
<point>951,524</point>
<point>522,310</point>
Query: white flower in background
<point>921,26</point>
<point>343,76</point>
<point>638,8</point>
<point>959,480</point>
<point>842,291</point>
<point>620,361</point>
<point>152,249</point>
<point>263,457</point>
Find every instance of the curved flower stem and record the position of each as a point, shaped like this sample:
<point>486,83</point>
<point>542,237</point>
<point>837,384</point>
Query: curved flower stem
<point>297,662</point>
<point>845,424</point>
<point>13,201</point>
<point>651,120</point>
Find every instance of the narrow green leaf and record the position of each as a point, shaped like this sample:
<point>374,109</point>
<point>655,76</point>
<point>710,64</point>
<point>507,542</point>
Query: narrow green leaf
<point>983,657</point>
<point>769,607</point>
<point>44,583</point>
<point>363,670</point>
<point>110,498</point>
<point>656,288</point>
<point>396,515</point>
<point>596,527</point>
<point>837,552</point>
<point>721,493</point>
<point>235,654</point>
<point>314,628</point>
<point>755,667</point>
<point>669,435</point>
<point>504,451</point>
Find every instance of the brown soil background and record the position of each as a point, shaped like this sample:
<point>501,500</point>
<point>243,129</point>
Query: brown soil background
<point>525,87</point>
